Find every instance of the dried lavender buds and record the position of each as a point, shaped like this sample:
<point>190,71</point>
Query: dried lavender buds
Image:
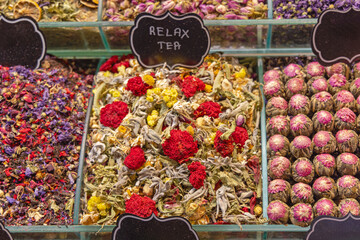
<point>184,141</point>
<point>42,115</point>
<point>309,9</point>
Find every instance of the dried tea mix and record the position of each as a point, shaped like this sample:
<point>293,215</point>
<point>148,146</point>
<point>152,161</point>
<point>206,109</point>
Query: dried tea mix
<point>42,114</point>
<point>184,142</point>
<point>51,10</point>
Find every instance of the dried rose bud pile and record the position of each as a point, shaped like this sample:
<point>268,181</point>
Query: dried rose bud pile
<point>221,36</point>
<point>183,142</point>
<point>312,132</point>
<point>125,10</point>
<point>42,115</point>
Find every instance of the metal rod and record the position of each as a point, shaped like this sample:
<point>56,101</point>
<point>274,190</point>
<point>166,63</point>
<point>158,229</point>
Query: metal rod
<point>263,143</point>
<point>207,23</point>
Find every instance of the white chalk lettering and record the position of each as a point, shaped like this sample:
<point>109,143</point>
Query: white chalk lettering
<point>177,32</point>
<point>160,31</point>
<point>169,45</point>
<point>152,31</point>
<point>161,44</point>
<point>185,33</point>
<point>177,45</point>
<point>168,34</point>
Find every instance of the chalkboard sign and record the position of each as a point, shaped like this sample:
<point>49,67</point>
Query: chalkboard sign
<point>168,39</point>
<point>131,227</point>
<point>336,37</point>
<point>4,233</point>
<point>21,42</point>
<point>332,228</point>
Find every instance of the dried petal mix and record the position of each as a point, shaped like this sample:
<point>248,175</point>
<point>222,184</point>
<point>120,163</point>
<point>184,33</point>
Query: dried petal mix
<point>189,145</point>
<point>42,115</point>
<point>51,10</point>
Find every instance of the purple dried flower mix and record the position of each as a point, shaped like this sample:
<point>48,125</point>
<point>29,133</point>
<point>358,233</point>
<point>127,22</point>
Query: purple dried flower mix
<point>309,9</point>
<point>42,117</point>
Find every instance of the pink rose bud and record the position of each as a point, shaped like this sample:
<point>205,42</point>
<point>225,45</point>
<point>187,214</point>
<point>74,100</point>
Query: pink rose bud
<point>141,7</point>
<point>168,5</point>
<point>128,12</point>
<point>178,7</point>
<point>230,16</point>
<point>210,16</point>
<point>124,4</point>
<point>221,9</point>
<point>150,8</point>
<point>240,121</point>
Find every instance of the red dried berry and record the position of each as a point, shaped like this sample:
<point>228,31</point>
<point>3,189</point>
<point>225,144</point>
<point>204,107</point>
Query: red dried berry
<point>107,66</point>
<point>211,109</point>
<point>135,159</point>
<point>114,62</point>
<point>240,135</point>
<point>137,86</point>
<point>197,179</point>
<point>180,146</point>
<point>140,206</point>
<point>224,147</point>
<point>197,174</point>
<point>196,166</point>
<point>115,66</point>
<point>112,114</point>
<point>190,85</point>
